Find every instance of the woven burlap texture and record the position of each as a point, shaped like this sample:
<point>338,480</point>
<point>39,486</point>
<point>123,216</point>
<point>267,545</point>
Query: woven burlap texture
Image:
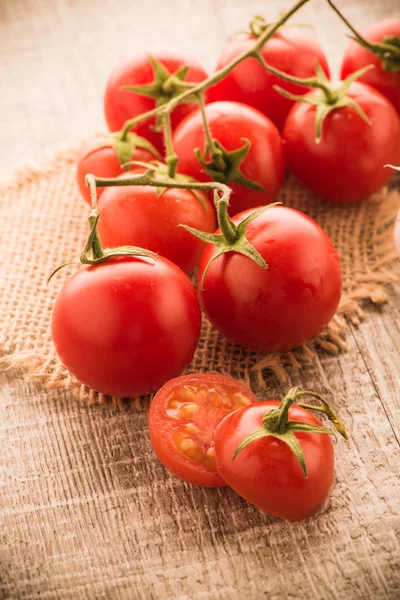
<point>44,224</point>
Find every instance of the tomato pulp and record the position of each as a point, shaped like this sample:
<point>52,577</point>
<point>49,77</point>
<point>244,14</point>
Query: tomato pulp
<point>182,419</point>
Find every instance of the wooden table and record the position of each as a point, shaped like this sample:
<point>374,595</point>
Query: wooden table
<point>86,510</point>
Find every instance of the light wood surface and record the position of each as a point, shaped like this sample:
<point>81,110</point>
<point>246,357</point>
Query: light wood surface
<point>86,510</point>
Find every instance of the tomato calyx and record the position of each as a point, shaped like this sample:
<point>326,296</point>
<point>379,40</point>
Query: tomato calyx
<point>232,237</point>
<point>329,97</point>
<point>387,50</point>
<point>165,85</point>
<point>276,423</point>
<point>125,145</point>
<point>224,165</point>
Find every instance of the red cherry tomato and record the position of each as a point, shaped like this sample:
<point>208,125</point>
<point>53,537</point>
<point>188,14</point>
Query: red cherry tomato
<point>182,419</point>
<point>357,57</point>
<point>250,83</point>
<point>138,216</point>
<point>102,161</point>
<point>232,124</point>
<point>349,162</point>
<point>266,472</point>
<point>121,105</point>
<point>288,303</point>
<point>126,326</point>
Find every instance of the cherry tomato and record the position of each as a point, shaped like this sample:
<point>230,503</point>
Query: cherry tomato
<point>231,124</point>
<point>349,162</point>
<point>357,57</point>
<point>126,326</point>
<point>121,105</point>
<point>182,419</point>
<point>288,303</point>
<point>250,83</point>
<point>266,472</point>
<point>102,161</point>
<point>138,216</point>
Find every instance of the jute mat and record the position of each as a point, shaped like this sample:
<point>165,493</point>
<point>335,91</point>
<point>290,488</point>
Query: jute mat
<point>44,224</point>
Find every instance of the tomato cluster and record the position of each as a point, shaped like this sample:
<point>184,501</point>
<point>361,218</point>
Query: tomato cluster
<point>187,152</point>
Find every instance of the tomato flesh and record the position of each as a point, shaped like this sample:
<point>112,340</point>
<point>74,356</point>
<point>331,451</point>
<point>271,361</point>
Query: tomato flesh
<point>182,419</point>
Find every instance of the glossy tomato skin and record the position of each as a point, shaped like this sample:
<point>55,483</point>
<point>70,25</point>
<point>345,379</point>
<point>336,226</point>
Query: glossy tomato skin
<point>288,303</point>
<point>102,161</point>
<point>289,51</point>
<point>187,410</point>
<point>349,163</point>
<point>356,57</point>
<point>266,472</point>
<point>138,216</point>
<point>232,124</point>
<point>121,105</point>
<point>126,326</point>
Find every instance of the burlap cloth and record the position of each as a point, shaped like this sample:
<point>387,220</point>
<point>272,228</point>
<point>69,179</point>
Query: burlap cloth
<point>44,224</point>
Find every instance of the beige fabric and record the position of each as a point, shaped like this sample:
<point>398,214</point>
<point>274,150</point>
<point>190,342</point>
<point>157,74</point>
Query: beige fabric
<point>46,226</point>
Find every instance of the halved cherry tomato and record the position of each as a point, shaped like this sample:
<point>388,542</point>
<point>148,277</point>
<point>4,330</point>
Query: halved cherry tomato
<point>141,216</point>
<point>249,82</point>
<point>183,416</point>
<point>121,105</point>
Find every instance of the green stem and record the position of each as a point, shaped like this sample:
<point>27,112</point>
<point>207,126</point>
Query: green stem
<point>215,77</point>
<point>359,37</point>
<point>94,243</point>
<point>214,152</point>
<point>225,224</point>
<point>146,179</point>
<point>171,158</point>
<point>284,406</point>
<point>311,82</point>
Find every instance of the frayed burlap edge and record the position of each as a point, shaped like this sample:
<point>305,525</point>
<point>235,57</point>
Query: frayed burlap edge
<point>369,286</point>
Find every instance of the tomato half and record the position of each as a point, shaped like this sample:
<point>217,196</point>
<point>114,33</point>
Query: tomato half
<point>121,105</point>
<point>266,472</point>
<point>139,216</point>
<point>249,82</point>
<point>232,124</point>
<point>357,57</point>
<point>102,161</point>
<point>288,303</point>
<point>126,326</point>
<point>349,162</point>
<point>183,416</point>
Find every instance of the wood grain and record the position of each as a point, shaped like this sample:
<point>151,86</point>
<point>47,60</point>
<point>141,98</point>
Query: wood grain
<point>86,510</point>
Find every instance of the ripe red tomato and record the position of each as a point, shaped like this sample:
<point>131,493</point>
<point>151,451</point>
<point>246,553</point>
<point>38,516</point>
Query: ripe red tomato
<point>138,216</point>
<point>266,472</point>
<point>182,419</point>
<point>285,305</point>
<point>126,326</point>
<point>357,57</point>
<point>232,124</point>
<point>121,105</point>
<point>250,83</point>
<point>349,163</point>
<point>102,161</point>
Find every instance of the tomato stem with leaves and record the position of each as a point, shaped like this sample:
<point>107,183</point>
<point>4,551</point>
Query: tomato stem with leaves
<point>214,78</point>
<point>330,98</point>
<point>388,50</point>
<point>276,423</point>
